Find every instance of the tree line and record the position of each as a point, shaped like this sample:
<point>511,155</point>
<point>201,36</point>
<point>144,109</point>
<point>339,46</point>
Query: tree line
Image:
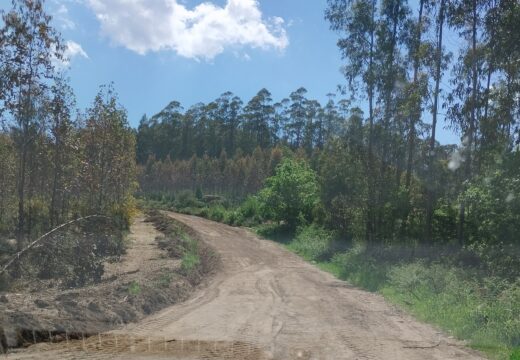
<point>56,163</point>
<point>229,125</point>
<point>383,175</point>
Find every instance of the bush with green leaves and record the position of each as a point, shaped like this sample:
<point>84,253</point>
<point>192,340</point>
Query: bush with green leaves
<point>291,194</point>
<point>493,221</point>
<point>359,269</point>
<point>216,213</point>
<point>186,199</point>
<point>313,242</point>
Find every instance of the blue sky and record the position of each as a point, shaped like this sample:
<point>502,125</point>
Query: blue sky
<point>153,52</point>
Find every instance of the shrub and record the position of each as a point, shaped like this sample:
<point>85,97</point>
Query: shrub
<point>134,288</point>
<point>361,270</point>
<point>123,212</point>
<point>230,217</point>
<point>313,243</point>
<point>216,213</point>
<point>186,198</point>
<point>291,194</point>
<point>250,208</point>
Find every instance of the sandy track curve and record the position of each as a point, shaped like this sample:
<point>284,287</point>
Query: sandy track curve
<point>267,303</point>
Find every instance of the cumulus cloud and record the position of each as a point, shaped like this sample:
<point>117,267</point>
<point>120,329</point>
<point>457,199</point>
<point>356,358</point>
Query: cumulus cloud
<point>200,33</point>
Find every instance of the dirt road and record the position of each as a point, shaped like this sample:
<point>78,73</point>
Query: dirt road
<point>267,303</point>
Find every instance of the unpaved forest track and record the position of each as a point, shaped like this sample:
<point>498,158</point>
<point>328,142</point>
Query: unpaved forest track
<point>266,303</point>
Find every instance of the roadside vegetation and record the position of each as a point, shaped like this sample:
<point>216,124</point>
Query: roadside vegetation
<point>197,260</point>
<point>474,296</point>
<point>360,184</point>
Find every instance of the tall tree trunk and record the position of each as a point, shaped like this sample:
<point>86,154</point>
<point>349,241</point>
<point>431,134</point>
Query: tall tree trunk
<point>431,153</point>
<point>416,113</point>
<point>473,119</point>
<point>388,91</point>
<point>370,231</point>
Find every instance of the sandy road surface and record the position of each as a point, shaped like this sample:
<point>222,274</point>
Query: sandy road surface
<point>267,303</point>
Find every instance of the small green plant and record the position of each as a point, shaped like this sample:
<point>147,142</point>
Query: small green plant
<point>164,280</point>
<point>189,262</point>
<point>134,288</point>
<point>515,355</point>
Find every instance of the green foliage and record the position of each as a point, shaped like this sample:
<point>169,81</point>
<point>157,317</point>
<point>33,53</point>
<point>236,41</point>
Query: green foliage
<point>164,280</point>
<point>189,262</point>
<point>198,193</point>
<point>493,220</point>
<point>515,355</point>
<point>291,194</point>
<point>134,288</point>
<point>362,271</point>
<point>217,213</point>
<point>484,310</point>
<point>185,199</point>
<point>313,243</point>
<point>249,213</point>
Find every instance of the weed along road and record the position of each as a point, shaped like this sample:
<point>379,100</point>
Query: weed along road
<point>265,303</point>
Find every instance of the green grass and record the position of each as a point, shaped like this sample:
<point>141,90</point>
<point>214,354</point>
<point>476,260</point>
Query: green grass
<point>189,262</point>
<point>515,355</point>
<point>313,243</point>
<point>134,288</point>
<point>164,280</point>
<point>485,311</point>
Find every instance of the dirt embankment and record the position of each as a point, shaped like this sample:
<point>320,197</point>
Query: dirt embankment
<point>148,278</point>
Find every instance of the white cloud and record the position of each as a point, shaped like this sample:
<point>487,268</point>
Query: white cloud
<point>61,14</point>
<point>72,50</point>
<point>63,17</point>
<point>201,33</point>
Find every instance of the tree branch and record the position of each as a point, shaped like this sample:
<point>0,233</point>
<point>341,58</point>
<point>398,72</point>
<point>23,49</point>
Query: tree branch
<point>32,244</point>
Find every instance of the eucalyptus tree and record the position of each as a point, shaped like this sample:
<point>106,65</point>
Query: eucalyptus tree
<point>258,115</point>
<point>465,99</point>
<point>501,97</point>
<point>108,154</point>
<point>330,118</point>
<point>64,145</point>
<point>30,48</point>
<point>439,65</point>
<point>356,22</point>
<point>313,125</point>
<point>417,90</point>
<point>297,117</point>
<point>229,111</point>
